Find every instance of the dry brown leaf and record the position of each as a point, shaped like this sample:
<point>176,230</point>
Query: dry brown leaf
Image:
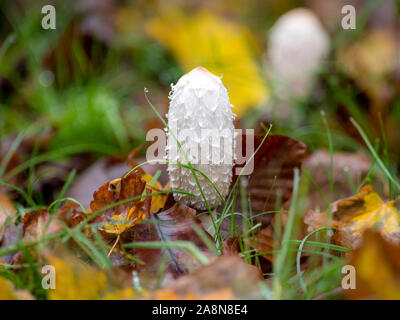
<point>274,165</point>
<point>272,178</point>
<point>122,217</point>
<point>264,243</point>
<point>228,277</point>
<point>36,224</point>
<point>174,224</point>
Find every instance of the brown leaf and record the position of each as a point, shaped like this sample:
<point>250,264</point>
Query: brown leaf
<point>174,224</point>
<point>228,277</point>
<point>231,246</point>
<point>264,243</point>
<point>35,223</point>
<point>177,224</point>
<point>117,190</point>
<point>274,165</point>
<point>272,177</point>
<point>70,213</point>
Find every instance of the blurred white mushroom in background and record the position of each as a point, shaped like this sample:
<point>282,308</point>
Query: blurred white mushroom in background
<point>297,45</point>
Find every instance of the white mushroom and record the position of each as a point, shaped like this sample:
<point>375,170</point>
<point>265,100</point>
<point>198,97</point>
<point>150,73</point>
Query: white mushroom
<point>297,45</point>
<point>201,118</point>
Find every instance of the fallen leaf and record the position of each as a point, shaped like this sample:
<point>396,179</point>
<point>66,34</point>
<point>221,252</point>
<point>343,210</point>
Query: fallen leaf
<point>157,201</point>
<point>75,280</point>
<point>377,268</point>
<point>6,290</point>
<point>263,242</point>
<point>274,165</point>
<point>9,292</point>
<point>124,216</point>
<point>71,213</point>
<point>36,224</point>
<point>7,210</point>
<point>227,278</point>
<point>177,223</point>
<point>353,215</point>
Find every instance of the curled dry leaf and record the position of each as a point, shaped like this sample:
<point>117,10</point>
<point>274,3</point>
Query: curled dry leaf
<point>227,277</point>
<point>377,268</point>
<point>71,214</point>
<point>120,218</point>
<point>353,215</point>
<point>37,224</point>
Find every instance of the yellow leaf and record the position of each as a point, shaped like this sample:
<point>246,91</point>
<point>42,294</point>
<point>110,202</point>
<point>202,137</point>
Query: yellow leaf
<point>121,222</point>
<point>119,218</point>
<point>76,281</point>
<point>7,209</point>
<point>122,294</point>
<point>6,290</point>
<point>377,267</point>
<point>221,46</point>
<point>157,201</point>
<point>353,215</point>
